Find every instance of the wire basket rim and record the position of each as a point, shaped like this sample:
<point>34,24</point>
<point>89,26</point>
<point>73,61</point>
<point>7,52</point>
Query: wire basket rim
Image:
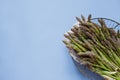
<point>117,23</point>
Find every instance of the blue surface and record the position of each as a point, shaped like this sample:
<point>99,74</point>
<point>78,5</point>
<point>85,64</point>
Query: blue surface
<point>31,33</point>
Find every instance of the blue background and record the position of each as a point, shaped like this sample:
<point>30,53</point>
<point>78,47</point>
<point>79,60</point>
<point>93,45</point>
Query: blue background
<point>31,34</point>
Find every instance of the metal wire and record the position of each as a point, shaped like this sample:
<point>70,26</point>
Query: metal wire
<point>109,22</point>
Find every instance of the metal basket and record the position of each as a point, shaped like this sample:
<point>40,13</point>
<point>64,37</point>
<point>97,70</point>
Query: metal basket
<point>109,22</point>
<point>84,69</point>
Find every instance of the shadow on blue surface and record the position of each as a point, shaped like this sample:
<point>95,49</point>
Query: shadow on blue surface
<point>31,33</point>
